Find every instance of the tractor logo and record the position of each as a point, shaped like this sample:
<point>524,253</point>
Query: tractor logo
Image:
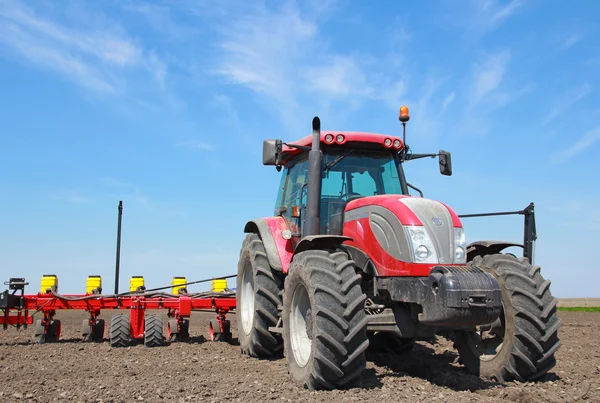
<point>436,221</point>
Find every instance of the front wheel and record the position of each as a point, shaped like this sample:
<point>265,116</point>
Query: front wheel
<point>258,300</point>
<point>324,322</point>
<point>521,344</point>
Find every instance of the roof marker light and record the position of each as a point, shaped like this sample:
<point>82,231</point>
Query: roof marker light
<point>340,138</point>
<point>329,138</point>
<point>387,143</point>
<point>404,115</point>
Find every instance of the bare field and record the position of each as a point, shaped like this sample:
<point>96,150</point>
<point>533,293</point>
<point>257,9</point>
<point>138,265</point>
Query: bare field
<point>204,371</point>
<point>577,302</point>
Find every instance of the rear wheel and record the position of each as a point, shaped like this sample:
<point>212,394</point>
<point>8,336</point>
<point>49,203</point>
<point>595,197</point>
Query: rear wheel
<point>258,298</point>
<point>521,344</point>
<point>324,323</point>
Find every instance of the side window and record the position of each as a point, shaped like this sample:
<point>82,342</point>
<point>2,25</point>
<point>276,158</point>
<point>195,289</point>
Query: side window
<point>278,201</point>
<point>364,184</point>
<point>296,177</point>
<point>333,184</point>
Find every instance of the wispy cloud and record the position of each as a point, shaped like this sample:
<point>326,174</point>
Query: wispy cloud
<point>447,101</point>
<point>585,142</point>
<point>487,77</point>
<point>195,145</point>
<point>128,191</point>
<point>566,100</point>
<point>95,59</point>
<point>70,196</point>
<point>269,52</point>
<point>487,15</point>
<point>571,40</point>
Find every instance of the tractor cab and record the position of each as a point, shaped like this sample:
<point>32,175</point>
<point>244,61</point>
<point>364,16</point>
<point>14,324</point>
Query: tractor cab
<point>348,171</point>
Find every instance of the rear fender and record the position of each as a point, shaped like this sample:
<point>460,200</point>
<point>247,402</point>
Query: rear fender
<point>279,250</point>
<point>320,242</point>
<point>483,248</point>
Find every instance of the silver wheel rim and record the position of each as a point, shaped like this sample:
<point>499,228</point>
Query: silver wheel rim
<point>300,323</point>
<point>247,300</point>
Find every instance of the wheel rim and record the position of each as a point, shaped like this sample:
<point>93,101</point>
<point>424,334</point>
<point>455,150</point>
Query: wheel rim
<point>487,343</point>
<point>300,325</point>
<point>247,299</point>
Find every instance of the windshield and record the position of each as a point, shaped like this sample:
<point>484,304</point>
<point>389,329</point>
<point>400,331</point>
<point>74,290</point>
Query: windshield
<point>353,173</point>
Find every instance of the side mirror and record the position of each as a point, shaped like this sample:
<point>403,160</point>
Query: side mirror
<point>445,163</point>
<point>271,152</point>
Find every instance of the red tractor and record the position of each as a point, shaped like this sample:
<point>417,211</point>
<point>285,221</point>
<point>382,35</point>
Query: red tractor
<point>350,261</point>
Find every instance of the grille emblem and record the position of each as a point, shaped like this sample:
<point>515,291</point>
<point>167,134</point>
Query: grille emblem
<point>436,221</point>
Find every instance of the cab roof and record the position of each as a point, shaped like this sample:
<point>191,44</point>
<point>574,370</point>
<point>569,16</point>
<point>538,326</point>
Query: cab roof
<point>331,138</point>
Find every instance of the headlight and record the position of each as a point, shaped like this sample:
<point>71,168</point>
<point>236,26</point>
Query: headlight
<point>460,246</point>
<point>422,246</point>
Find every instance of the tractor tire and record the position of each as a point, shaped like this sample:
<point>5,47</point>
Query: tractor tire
<point>525,337</point>
<point>153,331</point>
<point>324,322</point>
<point>177,332</point>
<point>120,334</point>
<point>98,331</point>
<point>95,333</point>
<point>258,296</point>
<point>53,334</point>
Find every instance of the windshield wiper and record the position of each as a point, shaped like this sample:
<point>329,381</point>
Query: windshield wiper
<point>331,164</point>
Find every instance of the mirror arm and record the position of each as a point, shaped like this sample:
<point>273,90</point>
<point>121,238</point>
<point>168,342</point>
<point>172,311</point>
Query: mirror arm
<point>417,156</point>
<point>303,148</point>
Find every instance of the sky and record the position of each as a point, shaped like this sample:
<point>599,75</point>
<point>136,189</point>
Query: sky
<point>165,104</point>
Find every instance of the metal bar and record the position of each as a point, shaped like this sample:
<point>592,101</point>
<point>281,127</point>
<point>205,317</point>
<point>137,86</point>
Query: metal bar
<point>492,214</point>
<point>118,262</point>
<point>49,303</point>
<point>530,233</point>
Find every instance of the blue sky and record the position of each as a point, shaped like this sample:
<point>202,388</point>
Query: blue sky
<point>165,104</point>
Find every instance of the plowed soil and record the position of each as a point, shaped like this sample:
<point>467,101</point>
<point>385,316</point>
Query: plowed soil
<point>215,371</point>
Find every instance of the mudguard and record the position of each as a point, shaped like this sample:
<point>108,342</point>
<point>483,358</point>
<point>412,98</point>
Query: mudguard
<point>320,242</point>
<point>482,248</point>
<point>279,250</point>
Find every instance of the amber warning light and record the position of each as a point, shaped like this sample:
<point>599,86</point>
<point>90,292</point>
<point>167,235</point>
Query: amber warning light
<point>404,116</point>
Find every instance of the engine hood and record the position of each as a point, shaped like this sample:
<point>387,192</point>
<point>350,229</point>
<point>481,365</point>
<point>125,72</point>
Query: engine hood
<point>379,225</point>
<point>408,209</point>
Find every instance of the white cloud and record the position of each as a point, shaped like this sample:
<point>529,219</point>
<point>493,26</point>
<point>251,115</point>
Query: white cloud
<point>566,100</point>
<point>581,145</point>
<point>487,77</point>
<point>95,59</point>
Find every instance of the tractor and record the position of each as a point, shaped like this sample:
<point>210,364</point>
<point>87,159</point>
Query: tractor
<point>351,262</point>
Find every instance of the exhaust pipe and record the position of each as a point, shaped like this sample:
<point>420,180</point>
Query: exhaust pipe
<point>313,222</point>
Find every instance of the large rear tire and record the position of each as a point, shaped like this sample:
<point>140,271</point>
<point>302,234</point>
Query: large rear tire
<point>324,322</point>
<point>258,296</point>
<point>521,344</point>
